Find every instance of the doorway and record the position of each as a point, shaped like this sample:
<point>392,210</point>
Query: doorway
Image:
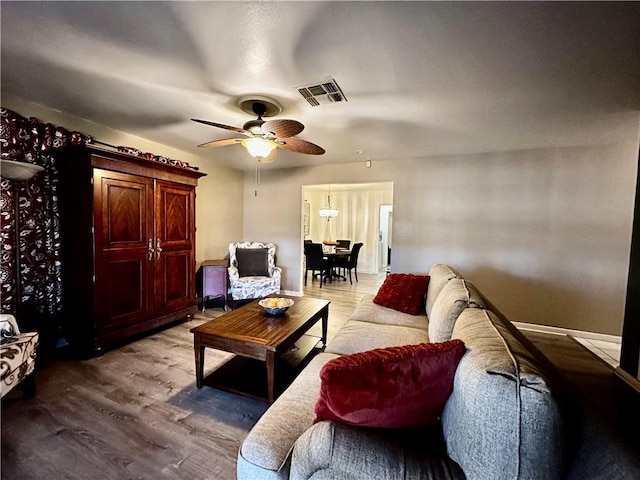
<point>358,218</point>
<point>385,236</point>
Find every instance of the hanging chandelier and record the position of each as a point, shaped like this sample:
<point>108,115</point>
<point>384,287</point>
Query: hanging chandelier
<point>328,212</point>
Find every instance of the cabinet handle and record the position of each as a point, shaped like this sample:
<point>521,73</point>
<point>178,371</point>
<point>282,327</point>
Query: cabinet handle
<point>150,249</point>
<point>158,249</point>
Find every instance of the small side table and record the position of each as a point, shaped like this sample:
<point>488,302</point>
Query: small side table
<point>213,281</point>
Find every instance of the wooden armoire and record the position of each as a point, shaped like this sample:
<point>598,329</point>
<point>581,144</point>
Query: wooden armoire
<point>128,245</point>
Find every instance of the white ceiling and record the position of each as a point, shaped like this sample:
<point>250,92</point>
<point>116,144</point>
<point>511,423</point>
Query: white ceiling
<point>421,78</point>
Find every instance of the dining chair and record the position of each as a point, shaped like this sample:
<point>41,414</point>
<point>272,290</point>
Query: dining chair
<point>352,262</point>
<point>343,244</point>
<point>316,261</point>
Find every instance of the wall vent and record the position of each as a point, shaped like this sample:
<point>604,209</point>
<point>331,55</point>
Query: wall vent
<point>321,93</point>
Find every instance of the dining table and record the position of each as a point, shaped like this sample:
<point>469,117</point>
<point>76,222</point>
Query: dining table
<point>332,254</point>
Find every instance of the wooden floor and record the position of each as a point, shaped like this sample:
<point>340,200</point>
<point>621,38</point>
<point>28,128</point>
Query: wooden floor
<point>135,412</point>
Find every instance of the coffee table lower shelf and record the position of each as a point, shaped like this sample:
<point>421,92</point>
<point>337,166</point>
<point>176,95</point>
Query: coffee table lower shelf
<point>248,377</point>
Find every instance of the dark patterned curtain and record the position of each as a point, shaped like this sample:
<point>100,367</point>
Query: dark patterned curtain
<point>30,268</point>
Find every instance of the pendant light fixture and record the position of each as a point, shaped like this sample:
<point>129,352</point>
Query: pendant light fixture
<point>328,212</point>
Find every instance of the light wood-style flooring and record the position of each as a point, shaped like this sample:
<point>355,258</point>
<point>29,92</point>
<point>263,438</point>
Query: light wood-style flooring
<point>135,412</point>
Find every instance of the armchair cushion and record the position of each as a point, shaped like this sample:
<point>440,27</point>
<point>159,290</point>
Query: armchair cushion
<point>253,262</point>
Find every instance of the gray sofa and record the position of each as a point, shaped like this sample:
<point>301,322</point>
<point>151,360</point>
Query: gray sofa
<point>502,420</point>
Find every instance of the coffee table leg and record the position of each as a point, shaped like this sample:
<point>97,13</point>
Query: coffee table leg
<point>325,325</point>
<point>271,375</point>
<point>199,351</point>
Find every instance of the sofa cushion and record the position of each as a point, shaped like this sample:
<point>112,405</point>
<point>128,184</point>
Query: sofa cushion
<point>253,262</point>
<point>456,295</point>
<point>439,275</point>
<point>355,336</point>
<point>404,292</point>
<point>367,311</point>
<point>396,387</point>
<point>502,419</point>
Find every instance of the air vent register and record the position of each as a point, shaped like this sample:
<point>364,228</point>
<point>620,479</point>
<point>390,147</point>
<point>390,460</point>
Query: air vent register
<point>321,93</point>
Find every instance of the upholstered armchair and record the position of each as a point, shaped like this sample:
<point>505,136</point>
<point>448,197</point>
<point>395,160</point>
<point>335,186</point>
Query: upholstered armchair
<point>17,357</point>
<point>252,271</point>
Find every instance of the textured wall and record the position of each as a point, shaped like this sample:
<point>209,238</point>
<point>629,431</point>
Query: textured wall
<point>545,233</point>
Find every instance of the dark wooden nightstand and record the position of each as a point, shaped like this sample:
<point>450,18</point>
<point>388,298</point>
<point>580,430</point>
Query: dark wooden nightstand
<point>213,281</point>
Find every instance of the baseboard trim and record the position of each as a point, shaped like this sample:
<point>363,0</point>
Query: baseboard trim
<point>567,331</point>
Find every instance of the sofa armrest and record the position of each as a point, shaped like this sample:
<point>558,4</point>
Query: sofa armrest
<point>336,450</point>
<point>502,419</point>
<point>265,452</point>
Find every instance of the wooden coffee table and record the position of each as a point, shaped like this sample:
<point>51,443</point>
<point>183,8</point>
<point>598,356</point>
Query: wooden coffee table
<point>258,338</point>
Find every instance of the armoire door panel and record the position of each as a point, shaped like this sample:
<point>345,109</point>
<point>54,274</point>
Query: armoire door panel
<point>126,284</point>
<point>177,280</point>
<point>175,215</point>
<point>123,206</point>
<point>176,209</point>
<point>124,213</point>
<point>124,293</point>
<point>175,235</point>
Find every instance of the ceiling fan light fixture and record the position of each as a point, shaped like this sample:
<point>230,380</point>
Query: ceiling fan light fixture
<point>259,148</point>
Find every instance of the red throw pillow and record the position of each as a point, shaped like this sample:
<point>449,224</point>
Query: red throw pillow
<point>395,387</point>
<point>404,292</point>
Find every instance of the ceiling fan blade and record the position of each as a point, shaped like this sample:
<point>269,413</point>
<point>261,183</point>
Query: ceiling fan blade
<point>282,128</point>
<point>226,127</point>
<point>300,146</point>
<point>220,143</point>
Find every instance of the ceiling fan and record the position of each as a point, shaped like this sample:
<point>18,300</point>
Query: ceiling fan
<point>264,137</point>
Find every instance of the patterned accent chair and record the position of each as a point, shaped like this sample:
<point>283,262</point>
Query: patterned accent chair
<point>252,271</point>
<point>17,357</point>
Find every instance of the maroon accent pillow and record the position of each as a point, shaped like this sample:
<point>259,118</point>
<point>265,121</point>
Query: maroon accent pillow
<point>404,292</point>
<point>395,387</point>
